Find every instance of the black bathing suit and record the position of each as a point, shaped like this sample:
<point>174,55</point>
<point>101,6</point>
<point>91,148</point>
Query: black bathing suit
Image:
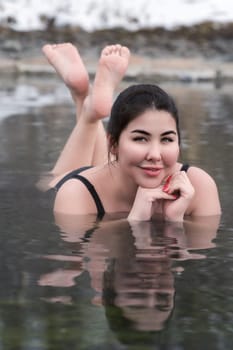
<point>75,174</point>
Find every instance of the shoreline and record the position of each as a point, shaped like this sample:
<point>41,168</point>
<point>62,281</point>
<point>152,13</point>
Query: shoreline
<point>189,54</point>
<point>185,70</point>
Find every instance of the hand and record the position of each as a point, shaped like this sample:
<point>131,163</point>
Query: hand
<point>145,200</point>
<point>180,186</point>
<point>172,198</point>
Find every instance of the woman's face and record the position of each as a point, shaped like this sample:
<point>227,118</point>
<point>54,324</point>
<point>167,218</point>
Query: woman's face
<point>148,148</point>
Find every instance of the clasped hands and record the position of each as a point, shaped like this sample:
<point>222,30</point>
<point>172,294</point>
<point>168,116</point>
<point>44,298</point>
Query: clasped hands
<point>171,199</point>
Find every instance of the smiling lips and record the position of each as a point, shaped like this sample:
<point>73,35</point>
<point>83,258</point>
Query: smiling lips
<point>151,171</point>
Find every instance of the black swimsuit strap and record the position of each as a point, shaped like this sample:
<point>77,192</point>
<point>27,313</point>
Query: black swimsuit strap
<point>75,175</point>
<point>69,176</point>
<point>185,167</point>
<point>94,194</point>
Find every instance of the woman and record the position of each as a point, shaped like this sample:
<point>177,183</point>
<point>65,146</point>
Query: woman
<point>135,169</point>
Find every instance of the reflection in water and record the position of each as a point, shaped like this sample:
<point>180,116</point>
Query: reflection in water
<point>142,285</point>
<point>132,267</point>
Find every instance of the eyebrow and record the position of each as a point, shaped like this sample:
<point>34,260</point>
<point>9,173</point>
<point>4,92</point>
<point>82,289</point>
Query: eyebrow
<point>147,133</point>
<point>140,132</point>
<point>168,132</point>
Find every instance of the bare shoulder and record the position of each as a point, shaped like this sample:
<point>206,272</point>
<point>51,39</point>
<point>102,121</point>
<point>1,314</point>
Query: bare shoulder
<point>74,198</point>
<point>200,177</point>
<point>54,179</point>
<point>206,198</point>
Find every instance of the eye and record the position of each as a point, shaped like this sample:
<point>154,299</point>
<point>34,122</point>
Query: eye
<point>167,139</point>
<point>140,139</point>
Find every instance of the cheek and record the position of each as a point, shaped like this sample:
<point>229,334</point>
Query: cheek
<point>171,155</point>
<point>131,153</point>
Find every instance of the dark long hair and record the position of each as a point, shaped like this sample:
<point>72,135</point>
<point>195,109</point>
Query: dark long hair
<point>135,100</point>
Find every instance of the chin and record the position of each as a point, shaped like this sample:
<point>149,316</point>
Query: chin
<point>150,183</point>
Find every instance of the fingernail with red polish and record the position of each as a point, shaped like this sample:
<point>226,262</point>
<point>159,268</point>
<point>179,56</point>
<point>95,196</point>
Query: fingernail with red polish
<point>166,185</point>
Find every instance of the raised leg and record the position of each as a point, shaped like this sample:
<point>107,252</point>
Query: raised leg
<point>111,68</point>
<point>113,63</point>
<point>87,144</point>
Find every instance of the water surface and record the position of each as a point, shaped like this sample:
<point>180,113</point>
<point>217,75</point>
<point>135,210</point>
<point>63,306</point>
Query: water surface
<point>82,284</point>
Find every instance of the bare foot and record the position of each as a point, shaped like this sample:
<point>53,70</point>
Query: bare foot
<point>112,66</point>
<point>68,64</point>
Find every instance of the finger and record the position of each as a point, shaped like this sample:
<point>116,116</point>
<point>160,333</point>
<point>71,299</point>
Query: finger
<point>164,195</point>
<point>167,183</point>
<point>175,181</point>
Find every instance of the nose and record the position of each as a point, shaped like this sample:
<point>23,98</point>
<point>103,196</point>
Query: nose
<point>153,153</point>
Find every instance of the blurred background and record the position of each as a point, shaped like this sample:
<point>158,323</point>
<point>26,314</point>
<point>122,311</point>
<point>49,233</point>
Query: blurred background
<point>160,33</point>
